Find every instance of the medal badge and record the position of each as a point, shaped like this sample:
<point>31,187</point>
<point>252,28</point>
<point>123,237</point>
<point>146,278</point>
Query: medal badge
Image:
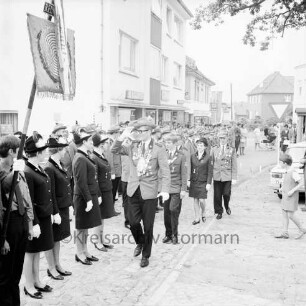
<point>141,160</point>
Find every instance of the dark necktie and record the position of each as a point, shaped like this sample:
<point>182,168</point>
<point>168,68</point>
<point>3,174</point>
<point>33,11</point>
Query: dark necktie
<point>19,197</point>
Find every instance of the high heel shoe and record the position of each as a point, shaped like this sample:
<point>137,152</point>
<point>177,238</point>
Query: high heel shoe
<point>103,249</point>
<point>47,288</point>
<point>92,258</point>
<point>36,295</point>
<point>57,277</point>
<point>63,273</point>
<point>108,246</point>
<point>85,262</point>
<point>195,222</point>
<point>204,219</point>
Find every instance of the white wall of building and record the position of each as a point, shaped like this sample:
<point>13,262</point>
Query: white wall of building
<point>299,98</point>
<point>17,70</point>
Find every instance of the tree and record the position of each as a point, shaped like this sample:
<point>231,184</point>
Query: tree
<point>271,17</point>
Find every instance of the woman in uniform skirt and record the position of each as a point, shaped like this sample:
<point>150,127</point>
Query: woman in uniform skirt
<point>101,145</point>
<point>39,185</point>
<point>62,199</point>
<point>85,199</point>
<point>201,171</point>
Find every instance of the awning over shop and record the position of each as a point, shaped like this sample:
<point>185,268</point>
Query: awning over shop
<point>301,111</point>
<point>134,104</point>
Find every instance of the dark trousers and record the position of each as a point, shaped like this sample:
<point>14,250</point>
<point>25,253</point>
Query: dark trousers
<point>125,202</point>
<point>237,143</point>
<point>115,183</point>
<point>172,210</point>
<point>11,264</point>
<point>140,209</point>
<point>222,189</point>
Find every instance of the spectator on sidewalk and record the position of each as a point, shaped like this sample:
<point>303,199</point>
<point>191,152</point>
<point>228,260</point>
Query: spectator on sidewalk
<point>257,137</point>
<point>303,162</point>
<point>243,139</point>
<point>290,198</point>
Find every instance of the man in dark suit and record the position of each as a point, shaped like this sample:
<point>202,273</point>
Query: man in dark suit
<point>145,161</point>
<point>178,188</point>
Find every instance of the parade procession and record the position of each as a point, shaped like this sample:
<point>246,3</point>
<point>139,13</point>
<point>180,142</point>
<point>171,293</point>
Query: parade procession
<point>118,201</point>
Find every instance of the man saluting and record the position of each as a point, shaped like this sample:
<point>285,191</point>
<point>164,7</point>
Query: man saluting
<point>145,161</point>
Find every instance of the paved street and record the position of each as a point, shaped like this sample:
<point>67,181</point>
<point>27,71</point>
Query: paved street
<point>256,270</point>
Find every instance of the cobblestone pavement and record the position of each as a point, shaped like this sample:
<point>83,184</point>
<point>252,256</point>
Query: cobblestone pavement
<point>191,273</point>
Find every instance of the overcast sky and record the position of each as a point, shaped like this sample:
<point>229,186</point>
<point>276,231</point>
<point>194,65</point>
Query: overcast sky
<point>221,55</point>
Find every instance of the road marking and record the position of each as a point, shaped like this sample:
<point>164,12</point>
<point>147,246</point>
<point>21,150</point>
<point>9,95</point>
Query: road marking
<point>174,274</point>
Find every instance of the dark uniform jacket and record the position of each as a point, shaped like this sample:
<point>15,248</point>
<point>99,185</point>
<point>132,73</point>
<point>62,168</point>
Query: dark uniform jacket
<point>201,169</point>
<point>103,172</point>
<point>61,189</point>
<point>85,176</point>
<point>177,165</point>
<point>148,181</point>
<point>40,189</point>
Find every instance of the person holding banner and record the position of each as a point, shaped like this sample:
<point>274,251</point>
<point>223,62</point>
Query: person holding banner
<point>40,190</point>
<point>20,221</point>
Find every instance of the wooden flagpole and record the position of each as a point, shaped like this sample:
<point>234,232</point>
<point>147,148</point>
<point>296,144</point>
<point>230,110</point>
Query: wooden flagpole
<point>19,156</point>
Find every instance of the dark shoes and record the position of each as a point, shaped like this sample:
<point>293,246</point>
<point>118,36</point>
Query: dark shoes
<point>167,239</point>
<point>117,213</point>
<point>138,250</point>
<point>63,273</point>
<point>57,277</point>
<point>103,248</point>
<point>219,216</point>
<point>175,240</point>
<point>36,295</point>
<point>204,219</point>
<point>127,224</point>
<point>228,211</point>
<point>85,262</point>
<point>282,236</point>
<point>108,246</point>
<point>92,258</point>
<point>195,222</point>
<point>47,288</point>
<point>144,262</point>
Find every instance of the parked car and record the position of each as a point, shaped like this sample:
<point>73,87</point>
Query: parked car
<point>297,151</point>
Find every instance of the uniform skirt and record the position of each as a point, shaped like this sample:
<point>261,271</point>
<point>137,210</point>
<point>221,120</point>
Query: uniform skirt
<point>107,207</point>
<point>83,219</point>
<point>45,241</point>
<point>198,190</point>
<point>62,231</point>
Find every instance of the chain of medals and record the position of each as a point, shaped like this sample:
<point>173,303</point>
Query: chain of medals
<point>141,161</point>
<point>171,161</point>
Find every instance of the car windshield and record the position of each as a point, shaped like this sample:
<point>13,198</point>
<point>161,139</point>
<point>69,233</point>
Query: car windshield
<point>296,153</point>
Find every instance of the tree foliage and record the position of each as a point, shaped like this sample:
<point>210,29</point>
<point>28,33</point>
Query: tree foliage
<point>272,17</point>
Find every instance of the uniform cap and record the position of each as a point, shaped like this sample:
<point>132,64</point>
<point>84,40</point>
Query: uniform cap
<point>59,126</point>
<point>144,122</point>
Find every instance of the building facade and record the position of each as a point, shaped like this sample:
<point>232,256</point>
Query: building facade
<point>130,62</point>
<point>197,95</point>
<point>299,101</point>
<point>272,98</point>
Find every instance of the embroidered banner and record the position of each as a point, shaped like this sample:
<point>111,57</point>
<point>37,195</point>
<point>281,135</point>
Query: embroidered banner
<point>50,68</point>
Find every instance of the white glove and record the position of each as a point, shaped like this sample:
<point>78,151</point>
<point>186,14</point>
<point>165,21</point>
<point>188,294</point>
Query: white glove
<point>208,187</point>
<point>57,219</point>
<point>36,231</point>
<point>234,182</point>
<point>113,176</point>
<point>164,195</point>
<point>89,206</point>
<point>183,194</point>
<point>100,200</point>
<point>18,165</point>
